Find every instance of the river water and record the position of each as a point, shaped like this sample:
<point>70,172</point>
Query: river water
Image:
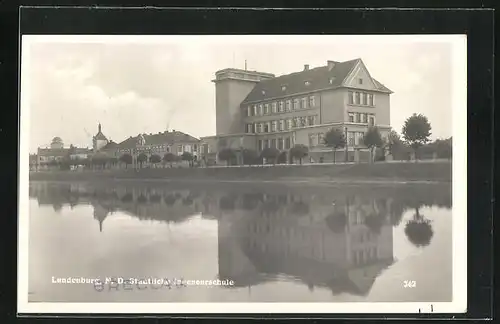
<point>266,242</point>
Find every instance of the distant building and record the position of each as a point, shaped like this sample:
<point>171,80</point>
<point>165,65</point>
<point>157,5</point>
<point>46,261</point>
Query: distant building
<point>174,142</point>
<point>256,110</point>
<point>99,140</point>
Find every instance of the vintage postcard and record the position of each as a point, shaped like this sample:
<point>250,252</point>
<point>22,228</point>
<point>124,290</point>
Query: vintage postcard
<point>243,174</point>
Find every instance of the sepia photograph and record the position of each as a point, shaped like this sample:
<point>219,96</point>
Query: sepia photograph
<point>243,174</point>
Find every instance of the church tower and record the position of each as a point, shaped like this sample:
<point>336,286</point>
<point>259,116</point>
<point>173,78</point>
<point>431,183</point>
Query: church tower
<point>99,140</point>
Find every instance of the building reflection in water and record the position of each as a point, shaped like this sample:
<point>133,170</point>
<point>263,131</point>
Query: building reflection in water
<point>333,239</point>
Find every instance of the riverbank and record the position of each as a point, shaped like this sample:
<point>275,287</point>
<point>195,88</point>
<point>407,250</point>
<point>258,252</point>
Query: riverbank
<point>395,172</point>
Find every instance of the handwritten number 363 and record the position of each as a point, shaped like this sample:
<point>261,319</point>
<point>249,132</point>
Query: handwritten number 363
<point>409,284</point>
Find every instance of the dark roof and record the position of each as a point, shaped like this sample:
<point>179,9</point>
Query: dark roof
<point>319,78</point>
<point>159,139</point>
<point>100,136</point>
<point>110,146</point>
<point>56,139</point>
<point>53,151</point>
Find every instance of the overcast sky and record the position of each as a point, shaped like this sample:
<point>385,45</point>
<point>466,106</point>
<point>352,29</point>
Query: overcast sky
<point>132,87</point>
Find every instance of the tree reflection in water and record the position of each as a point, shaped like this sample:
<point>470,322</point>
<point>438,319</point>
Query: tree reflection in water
<point>337,221</point>
<point>419,230</point>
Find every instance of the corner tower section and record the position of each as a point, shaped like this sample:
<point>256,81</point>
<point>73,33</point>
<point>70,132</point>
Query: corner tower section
<point>231,88</point>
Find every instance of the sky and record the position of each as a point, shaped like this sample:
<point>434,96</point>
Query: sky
<point>147,85</point>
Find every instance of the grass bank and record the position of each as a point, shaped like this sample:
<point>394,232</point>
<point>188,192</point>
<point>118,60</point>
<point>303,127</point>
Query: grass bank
<point>378,172</point>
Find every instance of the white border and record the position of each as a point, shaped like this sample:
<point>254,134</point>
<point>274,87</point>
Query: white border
<point>459,120</point>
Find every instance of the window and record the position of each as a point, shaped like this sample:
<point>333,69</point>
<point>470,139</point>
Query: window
<point>249,111</point>
<point>307,83</point>
<point>303,121</point>
<point>364,99</point>
<point>357,118</point>
<point>351,117</point>
<point>288,104</point>
<point>281,106</point>
<point>280,144</point>
<point>266,128</point>
<point>304,103</point>
<point>295,104</point>
<point>331,80</point>
<point>168,149</point>
<point>311,101</point>
<point>312,140</point>
<point>266,109</point>
<point>371,100</point>
<point>360,81</point>
<point>274,107</point>
<point>273,143</point>
<point>261,128</point>
<point>350,138</point>
<point>261,145</point>
<point>363,118</point>
<point>261,110</point>
<point>350,95</point>
<point>283,88</point>
<point>274,125</point>
<point>289,123</point>
<point>282,125</point>
<point>321,139</point>
<point>356,98</point>
<point>255,110</point>
<point>179,148</point>
<point>249,128</point>
<point>266,143</point>
<point>372,120</point>
<point>287,143</point>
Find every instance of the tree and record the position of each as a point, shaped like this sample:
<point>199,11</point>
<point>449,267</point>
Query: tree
<point>142,158</point>
<point>227,155</point>
<point>416,131</point>
<point>372,139</point>
<point>127,159</point>
<point>335,139</point>
<point>250,156</point>
<point>282,158</point>
<point>187,156</point>
<point>169,158</point>
<point>299,151</point>
<point>155,159</point>
<point>393,142</point>
<point>270,154</point>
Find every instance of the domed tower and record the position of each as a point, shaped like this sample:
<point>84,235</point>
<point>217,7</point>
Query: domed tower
<point>57,143</point>
<point>99,140</point>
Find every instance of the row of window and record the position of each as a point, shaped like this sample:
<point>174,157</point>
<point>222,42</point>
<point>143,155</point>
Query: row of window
<point>279,143</point>
<point>281,125</point>
<point>362,118</point>
<point>365,255</point>
<point>353,139</point>
<point>164,148</point>
<point>361,98</point>
<point>281,106</point>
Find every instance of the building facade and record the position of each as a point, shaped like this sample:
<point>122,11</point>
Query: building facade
<point>257,110</point>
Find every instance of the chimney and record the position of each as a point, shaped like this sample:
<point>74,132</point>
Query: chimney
<point>330,64</point>
<point>306,67</point>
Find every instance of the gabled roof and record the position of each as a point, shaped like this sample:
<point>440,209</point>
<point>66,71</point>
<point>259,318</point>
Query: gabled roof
<point>318,78</point>
<point>159,139</point>
<point>100,137</point>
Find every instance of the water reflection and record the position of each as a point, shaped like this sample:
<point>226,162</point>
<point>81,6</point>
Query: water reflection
<point>331,238</point>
